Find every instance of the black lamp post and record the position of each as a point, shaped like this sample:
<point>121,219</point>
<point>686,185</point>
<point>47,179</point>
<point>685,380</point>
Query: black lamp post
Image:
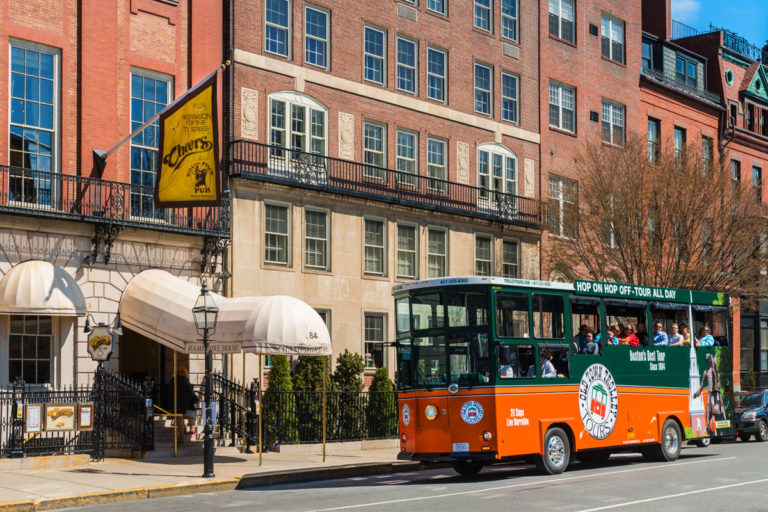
<point>206,312</point>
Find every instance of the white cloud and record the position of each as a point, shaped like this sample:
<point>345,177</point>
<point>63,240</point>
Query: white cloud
<point>686,11</point>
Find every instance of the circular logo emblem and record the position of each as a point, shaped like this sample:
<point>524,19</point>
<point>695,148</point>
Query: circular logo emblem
<point>598,401</point>
<point>430,412</point>
<point>406,415</point>
<point>472,412</point>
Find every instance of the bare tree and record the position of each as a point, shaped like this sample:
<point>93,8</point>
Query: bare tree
<point>671,219</point>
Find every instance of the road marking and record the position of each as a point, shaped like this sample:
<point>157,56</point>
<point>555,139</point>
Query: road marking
<point>548,481</point>
<point>668,496</point>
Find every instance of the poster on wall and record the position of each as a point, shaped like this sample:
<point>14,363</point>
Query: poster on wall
<point>33,418</point>
<point>85,417</point>
<point>60,417</point>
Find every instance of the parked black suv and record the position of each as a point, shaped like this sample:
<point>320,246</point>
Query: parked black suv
<point>751,415</point>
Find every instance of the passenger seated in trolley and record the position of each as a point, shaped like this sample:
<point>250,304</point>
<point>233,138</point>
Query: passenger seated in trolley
<point>584,345</point>
<point>547,368</point>
<point>508,367</point>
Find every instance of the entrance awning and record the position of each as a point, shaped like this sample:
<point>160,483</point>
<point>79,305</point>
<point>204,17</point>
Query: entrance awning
<point>158,305</point>
<point>40,288</point>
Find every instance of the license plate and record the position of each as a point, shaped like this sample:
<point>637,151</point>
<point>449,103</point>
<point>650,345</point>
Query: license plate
<point>460,447</point>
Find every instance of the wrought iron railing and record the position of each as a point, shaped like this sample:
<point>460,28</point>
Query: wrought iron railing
<point>681,30</point>
<point>660,76</point>
<point>47,194</point>
<point>731,40</point>
<point>258,161</point>
<point>237,409</point>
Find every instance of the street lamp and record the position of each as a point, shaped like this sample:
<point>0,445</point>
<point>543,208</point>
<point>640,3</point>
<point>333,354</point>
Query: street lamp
<point>206,312</point>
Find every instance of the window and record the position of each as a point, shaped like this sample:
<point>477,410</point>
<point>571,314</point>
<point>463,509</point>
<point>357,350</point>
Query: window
<point>679,141</point>
<point>685,71</point>
<point>29,349</point>
<point>548,316</point>
<point>510,259</point>
<point>561,20</point>
<point>436,5</point>
<point>436,65</point>
<point>407,249</point>
<point>150,93</point>
<point>707,152</point>
<point>483,256</point>
<point>277,30</point>
<point>316,239</point>
<point>735,177</point>
<point>374,247</point>
<point>276,233</point>
<point>613,39</point>
<point>613,123</point>
<point>647,55</point>
<point>374,55</point>
<point>483,18</point>
<point>509,97</point>
<point>562,107</point>
<point>406,65</point>
<point>373,149</point>
<point>316,37</point>
<point>33,122</point>
<point>654,139</point>
<point>496,171</point>
<point>483,88</point>
<point>509,19</point>
<point>375,337</point>
<point>437,253</point>
<point>407,156</point>
<point>757,183</point>
<point>563,194</point>
<point>298,122</point>
<point>436,164</point>
<point>512,315</point>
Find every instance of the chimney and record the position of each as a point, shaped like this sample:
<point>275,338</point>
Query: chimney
<point>657,18</point>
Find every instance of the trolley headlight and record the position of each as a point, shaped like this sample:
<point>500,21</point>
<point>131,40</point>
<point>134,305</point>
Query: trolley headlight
<point>750,415</point>
<point>430,412</point>
<point>487,435</point>
<point>403,438</point>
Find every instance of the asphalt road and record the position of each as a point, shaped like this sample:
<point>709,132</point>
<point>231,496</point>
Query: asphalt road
<point>727,477</point>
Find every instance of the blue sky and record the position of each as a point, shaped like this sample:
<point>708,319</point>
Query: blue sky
<point>748,18</point>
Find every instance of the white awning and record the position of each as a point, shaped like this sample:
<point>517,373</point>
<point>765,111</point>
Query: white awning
<point>158,305</point>
<point>40,288</point>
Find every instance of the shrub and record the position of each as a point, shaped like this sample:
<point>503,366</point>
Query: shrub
<point>351,425</point>
<point>308,385</point>
<point>382,406</point>
<point>279,405</point>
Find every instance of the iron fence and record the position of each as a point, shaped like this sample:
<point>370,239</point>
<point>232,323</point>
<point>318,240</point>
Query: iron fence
<point>662,77</point>
<point>265,162</point>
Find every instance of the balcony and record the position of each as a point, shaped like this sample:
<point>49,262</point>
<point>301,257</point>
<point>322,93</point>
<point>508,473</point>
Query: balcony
<point>60,196</point>
<point>659,76</point>
<point>256,161</point>
<point>731,40</point>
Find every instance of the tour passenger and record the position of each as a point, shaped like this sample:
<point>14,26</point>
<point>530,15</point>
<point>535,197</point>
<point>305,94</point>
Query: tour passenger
<point>580,343</point>
<point>686,332</point>
<point>590,345</point>
<point>610,336</point>
<point>629,336</point>
<point>705,339</point>
<point>642,334</point>
<point>547,368</point>
<point>675,338</point>
<point>507,370</point>
<point>660,338</point>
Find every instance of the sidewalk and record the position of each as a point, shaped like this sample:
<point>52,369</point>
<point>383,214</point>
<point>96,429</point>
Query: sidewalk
<point>128,479</point>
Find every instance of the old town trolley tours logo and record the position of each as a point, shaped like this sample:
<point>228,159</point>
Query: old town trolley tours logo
<point>472,412</point>
<point>598,401</point>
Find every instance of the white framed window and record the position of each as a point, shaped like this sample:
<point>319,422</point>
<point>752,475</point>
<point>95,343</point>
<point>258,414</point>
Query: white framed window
<point>437,252</point>
<point>484,15</point>
<point>563,196</point>
<point>561,20</point>
<point>437,64</point>
<point>407,52</point>
<point>407,251</point>
<point>510,258</point>
<point>375,246</point>
<point>407,156</point>
<point>375,337</point>
<point>374,149</point>
<point>437,164</point>
<point>562,107</point>
<point>150,93</point>
<point>297,122</point>
<point>437,6</point>
<point>483,255</point>
<point>374,55</point>
<point>316,36</point>
<point>510,91</point>
<point>277,32</point>
<point>496,170</point>
<point>613,123</point>
<point>277,233</point>
<point>483,89</point>
<point>33,121</point>
<point>685,70</point>
<point>30,349</point>
<point>316,235</point>
<point>509,19</point>
<point>612,38</point>
<point>680,137</point>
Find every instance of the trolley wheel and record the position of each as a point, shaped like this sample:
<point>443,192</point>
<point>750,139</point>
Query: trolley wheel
<point>762,432</point>
<point>703,443</point>
<point>467,468</point>
<point>557,452</point>
<point>670,446</point>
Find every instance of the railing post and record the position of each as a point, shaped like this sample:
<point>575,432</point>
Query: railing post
<point>148,439</point>
<point>17,424</point>
<point>100,419</point>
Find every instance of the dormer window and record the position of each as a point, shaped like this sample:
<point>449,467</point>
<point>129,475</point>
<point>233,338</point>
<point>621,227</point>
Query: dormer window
<point>685,71</point>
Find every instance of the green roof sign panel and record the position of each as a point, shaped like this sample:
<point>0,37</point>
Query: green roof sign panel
<point>650,293</point>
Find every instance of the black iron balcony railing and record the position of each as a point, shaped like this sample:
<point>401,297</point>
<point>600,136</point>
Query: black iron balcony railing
<point>263,162</point>
<point>659,76</point>
<point>62,196</point>
<point>731,40</point>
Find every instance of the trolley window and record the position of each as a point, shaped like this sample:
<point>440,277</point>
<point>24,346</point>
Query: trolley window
<point>429,362</point>
<point>714,317</point>
<point>548,313</point>
<point>517,361</point>
<point>467,309</point>
<point>512,315</point>
<point>403,309</point>
<point>468,359</point>
<point>428,312</point>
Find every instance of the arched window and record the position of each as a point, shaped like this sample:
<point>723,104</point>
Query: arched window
<point>562,273</point>
<point>496,170</point>
<point>298,122</point>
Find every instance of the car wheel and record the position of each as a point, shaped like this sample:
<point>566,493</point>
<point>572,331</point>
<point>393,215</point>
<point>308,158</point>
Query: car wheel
<point>703,443</point>
<point>745,437</point>
<point>557,452</point>
<point>466,468</point>
<point>669,447</point>
<point>762,432</point>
